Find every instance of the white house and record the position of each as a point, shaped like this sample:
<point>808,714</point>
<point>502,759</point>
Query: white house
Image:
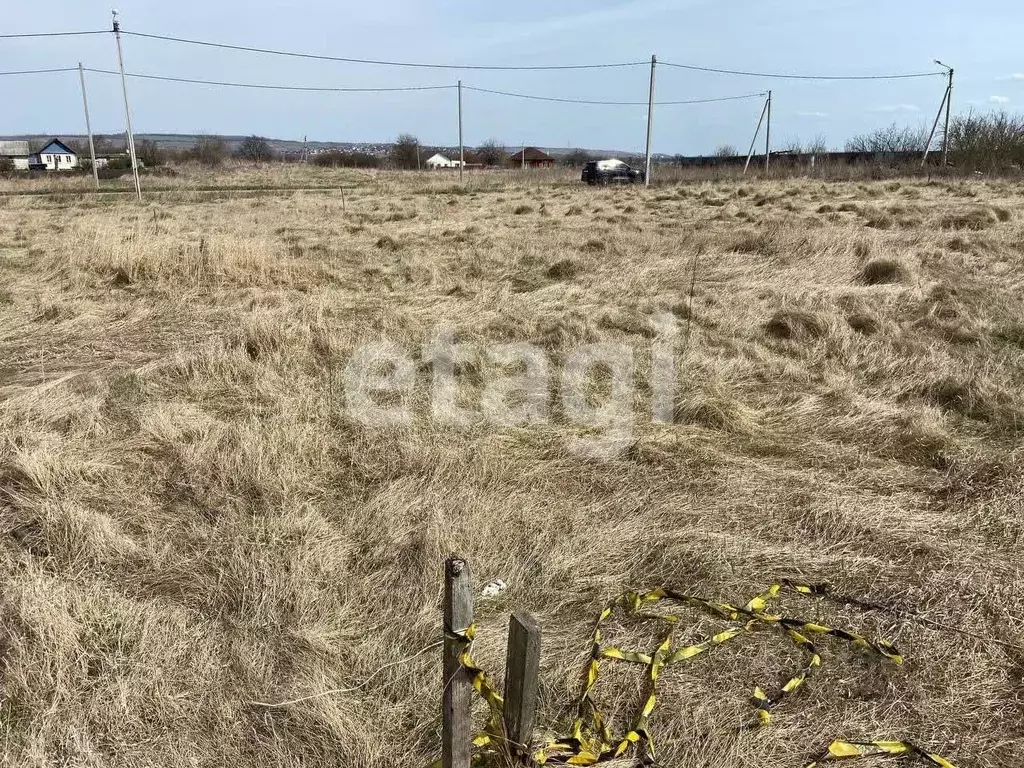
<point>18,153</point>
<point>440,161</point>
<point>58,156</point>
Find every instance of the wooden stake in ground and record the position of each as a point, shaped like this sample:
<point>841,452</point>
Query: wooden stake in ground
<point>522,667</point>
<point>457,726</point>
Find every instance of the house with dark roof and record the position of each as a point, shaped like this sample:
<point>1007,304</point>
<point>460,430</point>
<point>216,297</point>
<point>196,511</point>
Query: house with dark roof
<point>58,156</point>
<point>54,156</point>
<point>531,157</point>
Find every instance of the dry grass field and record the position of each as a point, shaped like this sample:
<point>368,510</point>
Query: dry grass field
<point>191,522</point>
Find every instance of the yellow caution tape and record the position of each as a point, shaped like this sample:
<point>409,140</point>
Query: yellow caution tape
<point>840,750</point>
<point>590,740</point>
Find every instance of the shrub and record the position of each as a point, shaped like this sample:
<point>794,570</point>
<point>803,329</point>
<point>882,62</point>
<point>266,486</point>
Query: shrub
<point>337,158</point>
<point>210,151</point>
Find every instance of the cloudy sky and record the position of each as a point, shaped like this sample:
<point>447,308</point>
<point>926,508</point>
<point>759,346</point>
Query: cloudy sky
<point>981,39</point>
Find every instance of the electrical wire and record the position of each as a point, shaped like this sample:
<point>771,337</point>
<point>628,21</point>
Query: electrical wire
<point>695,68</point>
<point>611,103</point>
<point>54,34</point>
<point>39,71</point>
<point>264,86</point>
<point>272,52</point>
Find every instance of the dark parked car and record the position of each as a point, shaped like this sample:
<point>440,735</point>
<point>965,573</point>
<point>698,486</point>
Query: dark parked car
<point>610,172</point>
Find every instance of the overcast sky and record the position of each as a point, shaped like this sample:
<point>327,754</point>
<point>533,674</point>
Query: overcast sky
<point>982,39</point>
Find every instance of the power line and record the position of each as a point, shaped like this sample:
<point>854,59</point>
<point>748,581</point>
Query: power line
<point>612,103</point>
<point>55,34</point>
<point>264,86</point>
<point>695,68</point>
<point>272,52</point>
<point>39,71</point>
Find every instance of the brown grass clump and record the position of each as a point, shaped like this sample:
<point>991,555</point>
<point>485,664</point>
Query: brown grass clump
<point>884,271</point>
<point>864,323</point>
<point>206,559</point>
<point>969,218</point>
<point>796,325</point>
<point>564,269</point>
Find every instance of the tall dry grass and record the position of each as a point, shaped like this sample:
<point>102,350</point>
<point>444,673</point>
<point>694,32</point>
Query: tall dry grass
<point>192,523</point>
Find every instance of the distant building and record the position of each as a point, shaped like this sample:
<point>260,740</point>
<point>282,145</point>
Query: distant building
<point>17,152</point>
<point>58,156</point>
<point>534,159</point>
<point>54,156</point>
<point>440,161</point>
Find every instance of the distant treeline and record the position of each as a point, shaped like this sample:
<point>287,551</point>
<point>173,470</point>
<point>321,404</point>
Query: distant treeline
<point>991,142</point>
<point>977,142</point>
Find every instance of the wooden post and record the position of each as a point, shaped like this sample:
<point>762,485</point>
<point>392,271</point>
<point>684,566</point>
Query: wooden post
<point>522,667</point>
<point>457,724</point>
<point>343,210</point>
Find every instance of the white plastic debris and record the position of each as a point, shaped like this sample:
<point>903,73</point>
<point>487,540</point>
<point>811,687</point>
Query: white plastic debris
<point>494,588</point>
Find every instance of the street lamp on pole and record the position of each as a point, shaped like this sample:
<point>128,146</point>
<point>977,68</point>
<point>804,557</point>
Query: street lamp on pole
<point>949,104</point>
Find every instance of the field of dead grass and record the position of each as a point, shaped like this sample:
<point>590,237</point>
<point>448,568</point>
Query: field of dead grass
<point>190,522</point>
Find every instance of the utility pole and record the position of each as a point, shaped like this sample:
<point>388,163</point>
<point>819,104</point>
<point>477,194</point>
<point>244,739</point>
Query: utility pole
<point>127,111</point>
<point>650,122</point>
<point>947,97</point>
<point>935,125</point>
<point>417,156</point>
<point>462,151</point>
<point>757,132</point>
<point>88,127</point>
<point>768,135</point>
<point>949,105</point>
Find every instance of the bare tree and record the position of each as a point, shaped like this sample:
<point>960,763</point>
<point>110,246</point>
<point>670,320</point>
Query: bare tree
<point>405,151</point>
<point>987,142</point>
<point>256,149</point>
<point>895,138</point>
<point>491,152</point>
<point>209,151</point>
<point>818,145</point>
<point>149,153</point>
<point>726,150</point>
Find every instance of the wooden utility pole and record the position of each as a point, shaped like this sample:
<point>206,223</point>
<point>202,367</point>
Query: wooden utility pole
<point>127,112</point>
<point>88,127</point>
<point>753,141</point>
<point>457,725</point>
<point>462,152</point>
<point>650,123</point>
<point>768,135</point>
<point>522,668</point>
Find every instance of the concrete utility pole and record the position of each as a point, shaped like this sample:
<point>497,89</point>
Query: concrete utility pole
<point>947,97</point>
<point>88,127</point>
<point>768,135</point>
<point>650,122</point>
<point>757,132</point>
<point>949,105</point>
<point>127,111</point>
<point>462,151</point>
